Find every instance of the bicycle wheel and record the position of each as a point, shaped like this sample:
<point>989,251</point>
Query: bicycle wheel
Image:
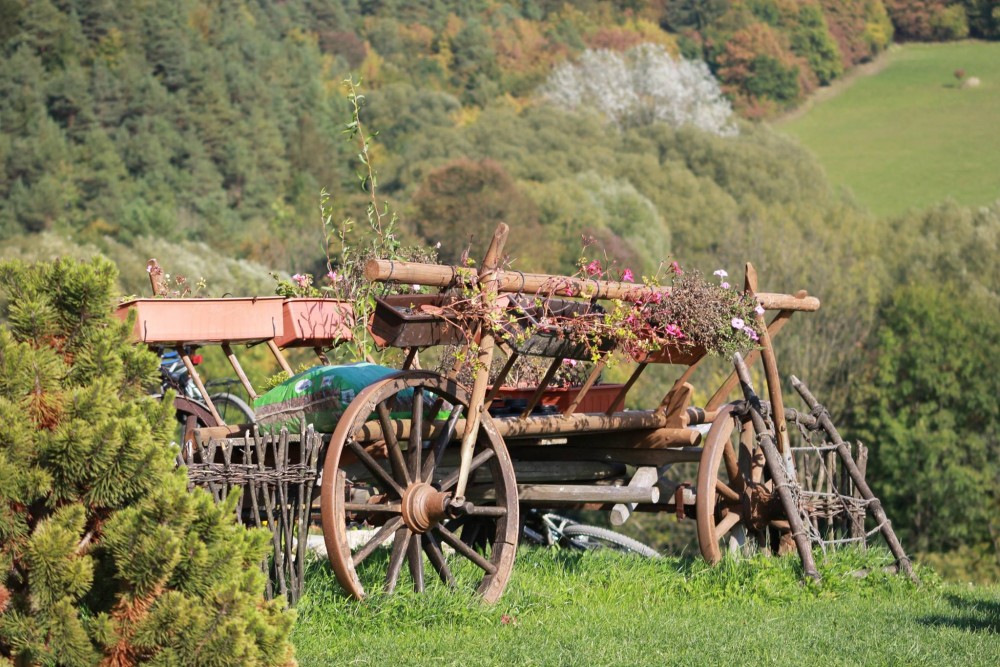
<point>586,537</point>
<point>233,409</point>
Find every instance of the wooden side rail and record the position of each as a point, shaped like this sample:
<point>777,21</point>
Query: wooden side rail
<point>437,275</point>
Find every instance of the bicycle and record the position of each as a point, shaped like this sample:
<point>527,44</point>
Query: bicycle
<point>550,529</point>
<point>191,409</point>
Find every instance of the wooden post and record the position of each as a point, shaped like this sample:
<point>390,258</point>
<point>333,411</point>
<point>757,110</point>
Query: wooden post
<point>271,345</point>
<point>488,289</point>
<point>772,376</point>
<point>776,463</point>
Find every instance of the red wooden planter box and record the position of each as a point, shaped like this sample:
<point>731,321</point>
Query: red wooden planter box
<point>598,399</point>
<point>315,322</point>
<point>204,321</point>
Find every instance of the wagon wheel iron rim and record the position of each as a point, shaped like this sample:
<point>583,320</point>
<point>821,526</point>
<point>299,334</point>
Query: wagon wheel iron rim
<point>734,500</point>
<point>413,492</point>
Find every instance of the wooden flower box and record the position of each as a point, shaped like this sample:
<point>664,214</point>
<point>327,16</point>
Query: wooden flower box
<point>204,321</point>
<point>315,322</point>
<point>553,340</point>
<point>400,321</point>
<point>512,400</point>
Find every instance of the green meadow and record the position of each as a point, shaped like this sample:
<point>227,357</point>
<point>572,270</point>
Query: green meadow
<point>911,135</point>
<point>571,608</point>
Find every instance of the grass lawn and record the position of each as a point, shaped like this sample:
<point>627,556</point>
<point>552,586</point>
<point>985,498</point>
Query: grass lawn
<point>605,609</point>
<point>909,136</point>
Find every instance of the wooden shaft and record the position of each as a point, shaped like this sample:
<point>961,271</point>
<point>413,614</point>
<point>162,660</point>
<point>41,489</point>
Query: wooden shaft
<point>645,476</point>
<point>495,389</point>
<point>770,372</point>
<point>542,386</point>
<point>484,359</point>
<point>235,363</point>
<point>776,464</point>
<point>620,398</point>
<point>591,379</point>
<point>193,373</point>
<point>844,451</point>
<point>271,345</point>
<point>587,493</point>
<point>436,275</point>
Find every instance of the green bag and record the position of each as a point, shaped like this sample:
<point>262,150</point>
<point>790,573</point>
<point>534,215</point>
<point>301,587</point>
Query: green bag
<point>319,397</point>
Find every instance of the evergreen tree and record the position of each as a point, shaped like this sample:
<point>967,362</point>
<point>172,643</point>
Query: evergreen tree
<point>105,557</point>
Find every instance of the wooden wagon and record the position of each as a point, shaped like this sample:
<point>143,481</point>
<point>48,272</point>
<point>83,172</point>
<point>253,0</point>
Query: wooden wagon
<point>438,487</point>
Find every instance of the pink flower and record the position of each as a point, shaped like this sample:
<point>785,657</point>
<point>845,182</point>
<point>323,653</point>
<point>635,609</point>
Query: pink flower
<point>759,309</point>
<point>753,334</point>
<point>594,269</point>
<point>721,273</point>
<point>673,331</point>
<point>302,280</point>
<point>724,285</point>
<point>627,276</point>
<point>676,268</point>
<point>738,323</point>
<point>656,297</point>
<point>333,276</point>
<point>570,362</point>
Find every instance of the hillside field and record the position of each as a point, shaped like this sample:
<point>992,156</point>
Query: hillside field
<point>909,136</point>
<point>568,608</point>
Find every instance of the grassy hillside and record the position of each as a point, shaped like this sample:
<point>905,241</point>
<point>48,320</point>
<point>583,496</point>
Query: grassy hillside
<point>602,609</point>
<point>909,136</point>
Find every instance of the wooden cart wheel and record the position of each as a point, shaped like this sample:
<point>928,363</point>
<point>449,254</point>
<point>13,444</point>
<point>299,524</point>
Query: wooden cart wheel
<point>734,502</point>
<point>401,488</point>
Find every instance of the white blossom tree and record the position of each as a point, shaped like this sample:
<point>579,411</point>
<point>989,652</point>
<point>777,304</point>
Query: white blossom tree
<point>641,86</point>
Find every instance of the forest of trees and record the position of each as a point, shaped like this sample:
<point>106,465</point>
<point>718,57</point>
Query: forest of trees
<point>201,132</point>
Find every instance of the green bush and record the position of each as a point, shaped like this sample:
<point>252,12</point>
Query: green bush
<point>105,557</point>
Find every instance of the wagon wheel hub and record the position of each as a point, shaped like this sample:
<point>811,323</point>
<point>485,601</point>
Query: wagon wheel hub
<point>423,507</point>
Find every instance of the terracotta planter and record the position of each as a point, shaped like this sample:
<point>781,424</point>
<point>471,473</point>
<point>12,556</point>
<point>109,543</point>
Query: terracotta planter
<point>400,322</point>
<point>315,322</point>
<point>205,321</point>
<point>682,355</point>
<point>557,399</point>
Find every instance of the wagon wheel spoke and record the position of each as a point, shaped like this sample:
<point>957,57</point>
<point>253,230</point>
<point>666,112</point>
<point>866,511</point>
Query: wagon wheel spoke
<point>399,470</point>
<point>732,467</point>
<point>726,524</point>
<point>373,466</point>
<point>373,508</point>
<point>399,549</point>
<point>415,557</point>
<point>464,549</point>
<point>416,443</point>
<point>433,550</point>
<point>726,491</point>
<point>379,538</point>
<point>443,438</point>
<point>477,461</point>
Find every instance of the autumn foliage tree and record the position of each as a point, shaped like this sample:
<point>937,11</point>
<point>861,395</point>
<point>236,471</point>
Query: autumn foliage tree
<point>105,557</point>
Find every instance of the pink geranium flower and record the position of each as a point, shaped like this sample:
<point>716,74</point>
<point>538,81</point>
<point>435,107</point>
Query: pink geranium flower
<point>594,269</point>
<point>676,268</point>
<point>302,280</point>
<point>627,276</point>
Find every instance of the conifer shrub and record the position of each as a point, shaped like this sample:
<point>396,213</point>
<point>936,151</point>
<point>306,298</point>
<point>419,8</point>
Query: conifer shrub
<point>105,556</point>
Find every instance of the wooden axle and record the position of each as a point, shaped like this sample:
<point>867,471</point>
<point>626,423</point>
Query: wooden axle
<point>436,275</point>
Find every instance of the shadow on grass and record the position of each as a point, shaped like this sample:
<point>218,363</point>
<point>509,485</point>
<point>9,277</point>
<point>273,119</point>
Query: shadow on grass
<point>975,615</point>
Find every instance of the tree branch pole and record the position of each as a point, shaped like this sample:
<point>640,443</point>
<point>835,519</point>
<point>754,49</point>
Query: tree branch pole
<point>776,463</point>
<point>484,358</point>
